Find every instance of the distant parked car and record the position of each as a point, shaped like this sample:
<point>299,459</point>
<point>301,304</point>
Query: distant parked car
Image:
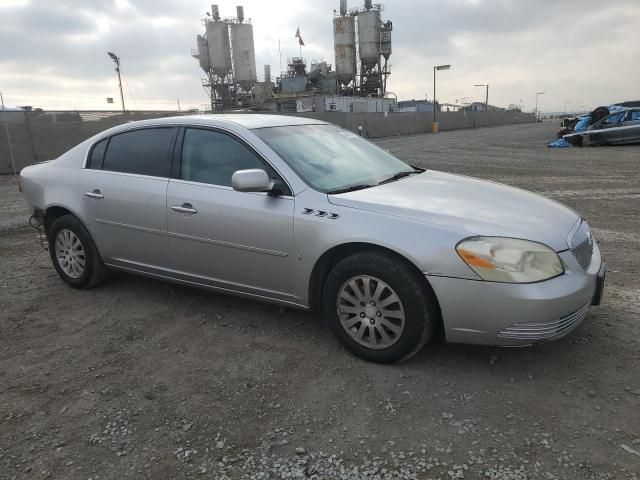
<point>301,213</point>
<point>618,128</point>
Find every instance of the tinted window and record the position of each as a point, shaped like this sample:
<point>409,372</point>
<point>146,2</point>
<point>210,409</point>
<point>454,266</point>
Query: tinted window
<point>97,154</point>
<point>634,115</point>
<point>213,157</point>
<point>145,152</point>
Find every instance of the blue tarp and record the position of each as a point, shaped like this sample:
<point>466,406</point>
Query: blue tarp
<point>583,123</point>
<point>616,108</point>
<point>560,143</point>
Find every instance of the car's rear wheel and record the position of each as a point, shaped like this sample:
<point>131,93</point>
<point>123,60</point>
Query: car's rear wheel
<point>378,307</point>
<point>73,253</point>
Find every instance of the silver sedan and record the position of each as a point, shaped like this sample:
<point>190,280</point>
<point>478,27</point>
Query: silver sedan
<point>304,214</point>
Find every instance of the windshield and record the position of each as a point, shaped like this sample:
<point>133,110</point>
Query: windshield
<point>331,159</point>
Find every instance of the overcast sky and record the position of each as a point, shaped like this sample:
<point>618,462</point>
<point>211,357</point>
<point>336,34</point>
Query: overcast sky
<point>53,53</point>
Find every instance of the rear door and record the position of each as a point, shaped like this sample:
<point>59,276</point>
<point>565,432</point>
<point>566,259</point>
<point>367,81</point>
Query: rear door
<point>124,193</point>
<point>218,236</point>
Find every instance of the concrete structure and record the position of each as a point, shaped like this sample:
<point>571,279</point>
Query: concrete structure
<point>231,79</point>
<point>415,106</point>
<point>359,104</point>
<point>244,57</point>
<point>374,49</point>
<point>218,47</point>
<point>344,44</point>
<point>369,36</point>
<point>36,136</point>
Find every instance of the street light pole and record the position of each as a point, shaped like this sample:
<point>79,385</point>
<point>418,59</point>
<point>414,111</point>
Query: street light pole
<point>434,125</point>
<point>116,60</point>
<point>486,99</point>
<point>536,110</point>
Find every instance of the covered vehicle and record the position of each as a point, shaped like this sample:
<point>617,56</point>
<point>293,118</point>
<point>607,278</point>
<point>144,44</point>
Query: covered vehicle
<point>618,128</point>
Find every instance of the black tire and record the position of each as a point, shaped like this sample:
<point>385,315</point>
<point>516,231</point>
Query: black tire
<point>418,300</point>
<point>94,272</point>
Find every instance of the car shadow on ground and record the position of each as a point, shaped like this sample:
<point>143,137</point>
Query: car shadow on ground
<point>301,330</point>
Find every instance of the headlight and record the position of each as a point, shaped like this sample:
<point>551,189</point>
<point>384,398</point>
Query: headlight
<point>510,260</point>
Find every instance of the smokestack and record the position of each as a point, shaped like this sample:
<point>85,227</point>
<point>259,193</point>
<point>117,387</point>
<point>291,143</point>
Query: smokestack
<point>367,4</point>
<point>240,13</point>
<point>343,7</point>
<point>215,12</point>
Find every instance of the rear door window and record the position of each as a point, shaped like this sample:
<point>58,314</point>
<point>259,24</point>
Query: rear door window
<point>145,152</point>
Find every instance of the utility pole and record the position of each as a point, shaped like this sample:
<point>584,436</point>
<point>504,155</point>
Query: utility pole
<point>6,126</point>
<point>116,60</point>
<point>486,101</point>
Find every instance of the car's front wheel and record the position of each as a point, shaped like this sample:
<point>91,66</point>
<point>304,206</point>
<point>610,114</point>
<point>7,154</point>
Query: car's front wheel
<point>378,307</point>
<point>73,253</point>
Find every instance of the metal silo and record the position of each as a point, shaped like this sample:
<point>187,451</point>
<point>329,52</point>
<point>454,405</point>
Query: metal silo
<point>219,49</point>
<point>203,53</point>
<point>244,57</point>
<point>369,36</point>
<point>344,44</point>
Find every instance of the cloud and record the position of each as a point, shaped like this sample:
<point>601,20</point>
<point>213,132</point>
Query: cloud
<point>579,50</point>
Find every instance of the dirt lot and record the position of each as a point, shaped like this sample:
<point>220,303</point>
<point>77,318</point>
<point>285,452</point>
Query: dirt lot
<point>143,379</point>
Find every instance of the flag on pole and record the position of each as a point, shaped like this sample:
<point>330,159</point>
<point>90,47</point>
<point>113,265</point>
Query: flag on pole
<point>299,37</point>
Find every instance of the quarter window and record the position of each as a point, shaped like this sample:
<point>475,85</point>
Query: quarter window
<point>97,155</point>
<point>144,152</point>
<point>212,157</point>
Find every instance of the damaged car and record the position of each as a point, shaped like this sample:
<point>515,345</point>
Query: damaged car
<point>617,128</point>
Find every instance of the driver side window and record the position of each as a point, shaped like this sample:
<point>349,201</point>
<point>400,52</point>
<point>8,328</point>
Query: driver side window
<point>212,157</point>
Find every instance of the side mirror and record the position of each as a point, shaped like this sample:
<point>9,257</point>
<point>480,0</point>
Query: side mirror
<point>251,180</point>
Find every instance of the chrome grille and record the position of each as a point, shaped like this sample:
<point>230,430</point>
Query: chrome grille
<point>545,330</point>
<point>581,244</point>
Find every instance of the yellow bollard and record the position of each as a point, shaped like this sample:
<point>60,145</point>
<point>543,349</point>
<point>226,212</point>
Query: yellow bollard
<point>434,127</point>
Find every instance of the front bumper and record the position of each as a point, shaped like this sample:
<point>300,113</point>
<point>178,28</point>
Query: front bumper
<point>489,313</point>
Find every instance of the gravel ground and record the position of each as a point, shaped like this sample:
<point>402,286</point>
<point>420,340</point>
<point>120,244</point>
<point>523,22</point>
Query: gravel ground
<point>143,379</point>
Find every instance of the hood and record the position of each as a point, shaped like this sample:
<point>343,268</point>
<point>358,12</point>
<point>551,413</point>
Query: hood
<point>474,206</point>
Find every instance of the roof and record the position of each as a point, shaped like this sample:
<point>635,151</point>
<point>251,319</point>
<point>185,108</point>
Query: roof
<point>249,121</point>
<point>9,108</point>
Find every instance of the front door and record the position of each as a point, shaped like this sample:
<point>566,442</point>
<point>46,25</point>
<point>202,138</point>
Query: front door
<point>218,236</point>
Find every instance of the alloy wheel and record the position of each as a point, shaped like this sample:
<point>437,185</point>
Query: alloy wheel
<point>370,311</point>
<point>70,253</point>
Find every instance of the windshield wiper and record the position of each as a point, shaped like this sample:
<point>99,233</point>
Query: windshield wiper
<point>352,188</point>
<point>398,176</point>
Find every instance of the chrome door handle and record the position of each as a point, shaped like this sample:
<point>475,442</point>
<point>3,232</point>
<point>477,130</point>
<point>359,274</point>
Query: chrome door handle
<point>185,208</point>
<point>97,194</point>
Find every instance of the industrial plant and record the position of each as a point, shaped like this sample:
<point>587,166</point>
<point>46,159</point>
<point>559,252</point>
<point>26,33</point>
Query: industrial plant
<point>362,47</point>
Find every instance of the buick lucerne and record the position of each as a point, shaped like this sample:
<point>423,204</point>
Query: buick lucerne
<point>305,214</point>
